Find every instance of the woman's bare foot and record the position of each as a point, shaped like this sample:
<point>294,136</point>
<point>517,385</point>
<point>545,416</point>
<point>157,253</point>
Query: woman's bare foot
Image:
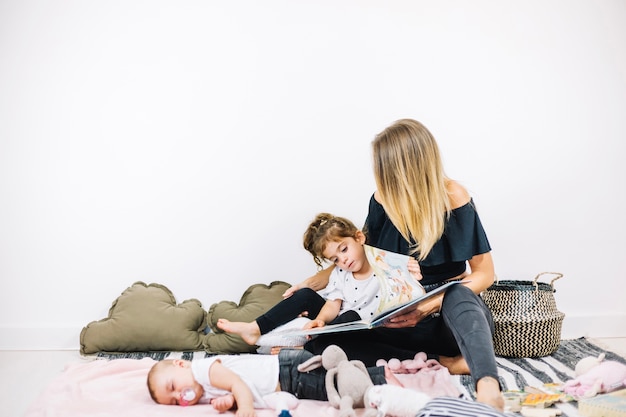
<point>391,378</point>
<point>488,392</point>
<point>456,365</point>
<point>249,332</point>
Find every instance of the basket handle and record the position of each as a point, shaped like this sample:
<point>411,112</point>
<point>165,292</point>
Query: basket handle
<point>558,275</point>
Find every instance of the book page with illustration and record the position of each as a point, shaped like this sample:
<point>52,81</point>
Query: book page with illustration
<point>397,285</point>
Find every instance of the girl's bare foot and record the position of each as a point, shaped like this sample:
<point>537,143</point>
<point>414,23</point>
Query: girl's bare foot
<point>488,392</point>
<point>456,365</point>
<point>249,332</point>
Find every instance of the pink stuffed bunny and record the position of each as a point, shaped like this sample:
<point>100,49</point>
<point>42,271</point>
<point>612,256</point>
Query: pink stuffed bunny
<point>596,377</point>
<point>410,366</point>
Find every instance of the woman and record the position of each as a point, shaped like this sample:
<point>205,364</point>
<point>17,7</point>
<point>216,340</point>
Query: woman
<point>419,211</point>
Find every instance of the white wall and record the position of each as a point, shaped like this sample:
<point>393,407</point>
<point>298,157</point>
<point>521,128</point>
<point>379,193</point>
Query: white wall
<point>189,143</point>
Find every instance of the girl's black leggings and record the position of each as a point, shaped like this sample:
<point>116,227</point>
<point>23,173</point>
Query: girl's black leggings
<point>303,300</point>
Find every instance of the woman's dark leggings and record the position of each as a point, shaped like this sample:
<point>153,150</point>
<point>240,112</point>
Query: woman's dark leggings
<point>300,301</point>
<point>464,327</point>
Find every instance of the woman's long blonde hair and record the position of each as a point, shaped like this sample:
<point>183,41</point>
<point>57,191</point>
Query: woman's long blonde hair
<point>411,183</point>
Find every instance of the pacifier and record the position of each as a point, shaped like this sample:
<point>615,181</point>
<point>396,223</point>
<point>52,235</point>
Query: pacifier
<point>186,396</point>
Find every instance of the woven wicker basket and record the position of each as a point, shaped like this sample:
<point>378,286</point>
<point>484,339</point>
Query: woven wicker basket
<point>527,321</point>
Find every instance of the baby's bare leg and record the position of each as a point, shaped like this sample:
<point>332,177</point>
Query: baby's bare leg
<point>249,332</point>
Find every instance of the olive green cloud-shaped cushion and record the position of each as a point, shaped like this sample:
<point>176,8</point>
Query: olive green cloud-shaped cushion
<point>146,318</point>
<point>256,300</point>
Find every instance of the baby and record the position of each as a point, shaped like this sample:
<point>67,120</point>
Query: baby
<point>242,381</point>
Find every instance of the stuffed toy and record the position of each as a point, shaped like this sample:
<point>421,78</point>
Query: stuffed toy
<point>595,376</point>
<point>585,364</point>
<point>350,376</point>
<point>410,366</point>
<point>393,400</point>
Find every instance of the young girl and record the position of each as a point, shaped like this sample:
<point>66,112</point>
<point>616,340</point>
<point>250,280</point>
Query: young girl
<point>352,292</point>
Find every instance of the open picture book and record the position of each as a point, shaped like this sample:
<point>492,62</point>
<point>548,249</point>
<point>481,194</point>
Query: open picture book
<point>400,293</point>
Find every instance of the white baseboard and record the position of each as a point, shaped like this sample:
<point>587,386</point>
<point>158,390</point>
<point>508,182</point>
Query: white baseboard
<point>598,326</point>
<point>68,338</point>
<point>42,338</point>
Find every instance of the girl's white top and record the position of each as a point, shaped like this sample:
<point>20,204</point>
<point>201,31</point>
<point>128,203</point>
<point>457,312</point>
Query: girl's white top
<point>259,372</point>
<point>362,296</point>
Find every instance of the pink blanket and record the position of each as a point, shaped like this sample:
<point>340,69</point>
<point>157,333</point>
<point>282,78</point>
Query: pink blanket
<point>118,388</point>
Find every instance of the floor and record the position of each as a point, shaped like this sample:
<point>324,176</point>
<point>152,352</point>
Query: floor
<point>26,373</point>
